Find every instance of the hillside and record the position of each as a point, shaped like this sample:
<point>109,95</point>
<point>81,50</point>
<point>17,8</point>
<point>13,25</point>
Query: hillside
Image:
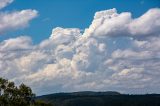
<point>100,99</point>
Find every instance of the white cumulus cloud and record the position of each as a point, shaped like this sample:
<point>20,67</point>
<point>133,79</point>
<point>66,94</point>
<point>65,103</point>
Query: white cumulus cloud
<point>15,20</point>
<point>111,23</point>
<point>72,61</point>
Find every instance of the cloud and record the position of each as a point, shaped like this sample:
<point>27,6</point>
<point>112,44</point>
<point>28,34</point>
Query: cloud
<point>72,61</point>
<point>20,43</point>
<point>140,64</point>
<point>110,23</point>
<point>68,35</point>
<point>16,20</point>
<point>146,25</point>
<point>4,3</point>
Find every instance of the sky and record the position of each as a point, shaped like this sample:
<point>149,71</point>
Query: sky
<point>70,14</point>
<point>81,45</point>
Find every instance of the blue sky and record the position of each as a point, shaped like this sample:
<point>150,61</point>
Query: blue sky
<point>70,13</point>
<point>81,45</point>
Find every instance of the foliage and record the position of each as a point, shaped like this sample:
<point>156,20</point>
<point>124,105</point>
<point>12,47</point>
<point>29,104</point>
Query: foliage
<point>11,95</point>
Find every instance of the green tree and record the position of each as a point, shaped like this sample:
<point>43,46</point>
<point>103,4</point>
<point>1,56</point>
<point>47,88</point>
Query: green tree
<point>11,95</point>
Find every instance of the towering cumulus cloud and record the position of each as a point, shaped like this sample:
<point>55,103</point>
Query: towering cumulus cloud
<point>72,61</point>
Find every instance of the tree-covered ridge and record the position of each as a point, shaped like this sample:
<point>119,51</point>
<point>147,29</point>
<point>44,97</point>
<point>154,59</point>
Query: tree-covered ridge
<point>11,95</point>
<point>101,99</point>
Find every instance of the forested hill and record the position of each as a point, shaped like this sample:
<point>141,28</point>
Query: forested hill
<point>101,99</point>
